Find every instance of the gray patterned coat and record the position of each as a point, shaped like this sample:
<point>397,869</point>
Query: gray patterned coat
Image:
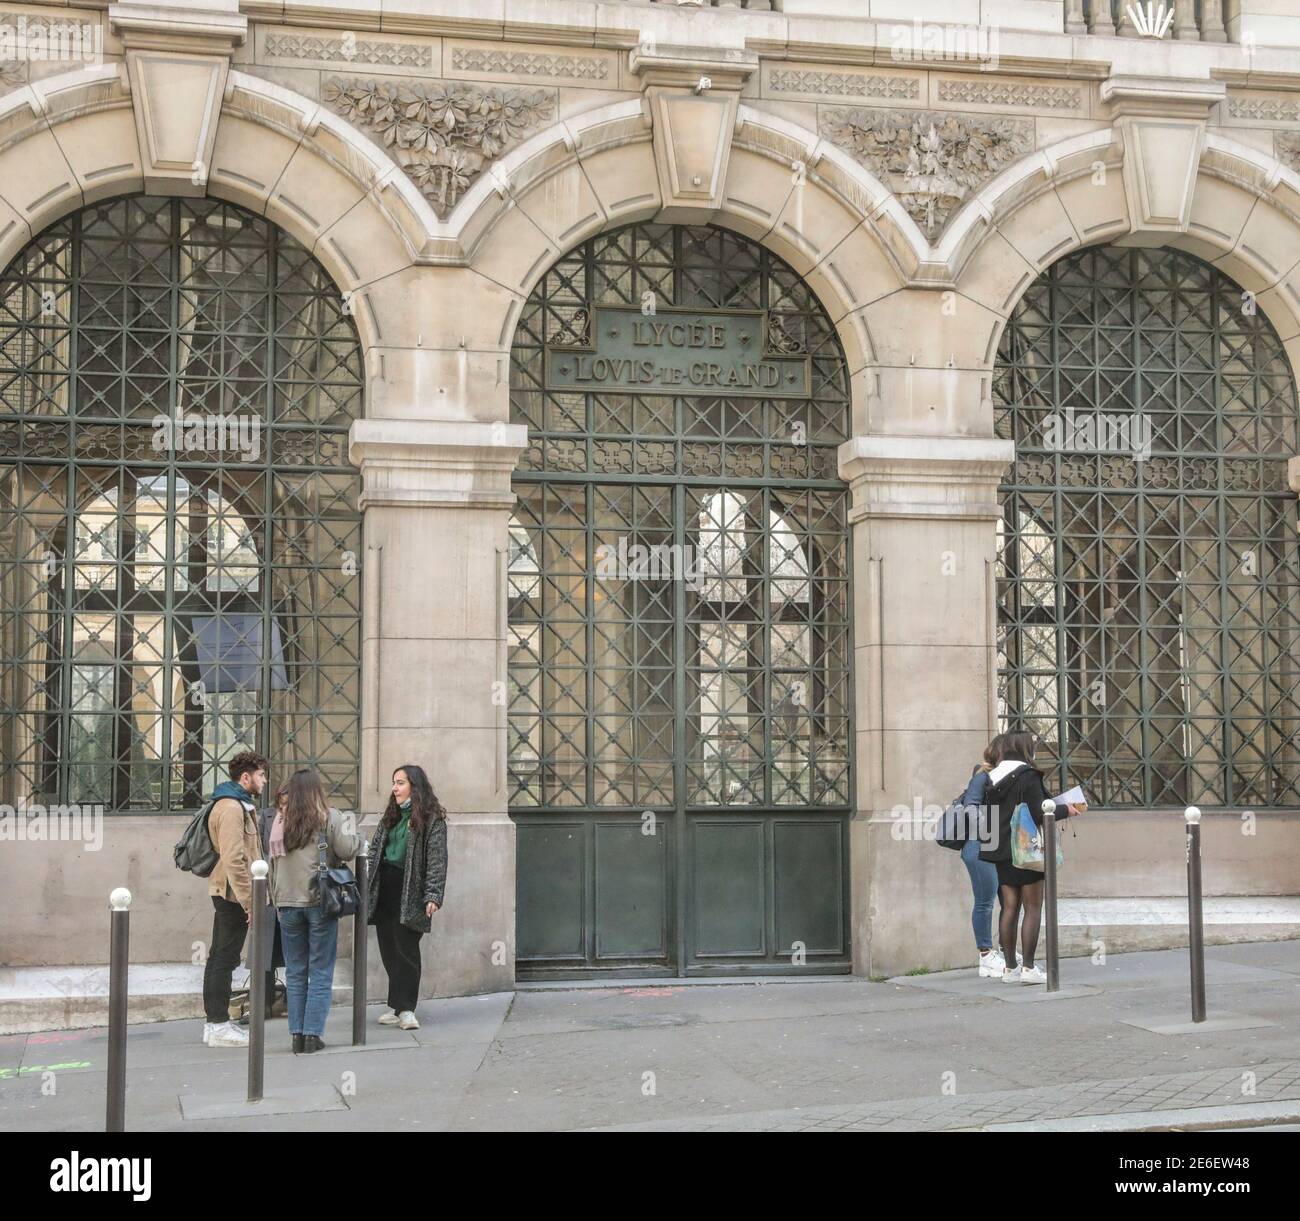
<point>424,875</point>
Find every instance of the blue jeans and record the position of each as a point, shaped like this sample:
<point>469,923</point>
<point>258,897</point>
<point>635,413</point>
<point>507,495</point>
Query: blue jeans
<point>984,884</point>
<point>311,941</point>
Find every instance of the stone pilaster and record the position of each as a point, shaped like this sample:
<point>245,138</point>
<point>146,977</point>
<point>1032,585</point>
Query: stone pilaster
<point>436,499</point>
<point>924,519</point>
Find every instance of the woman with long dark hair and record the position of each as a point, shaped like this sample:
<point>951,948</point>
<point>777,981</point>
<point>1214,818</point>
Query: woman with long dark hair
<point>409,859</point>
<point>1015,779</point>
<point>305,826</point>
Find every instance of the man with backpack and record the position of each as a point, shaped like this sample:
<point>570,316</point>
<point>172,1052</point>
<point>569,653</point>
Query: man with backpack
<point>233,829</point>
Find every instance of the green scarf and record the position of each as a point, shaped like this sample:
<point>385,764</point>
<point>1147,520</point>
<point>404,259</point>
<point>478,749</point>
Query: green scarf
<point>395,844</point>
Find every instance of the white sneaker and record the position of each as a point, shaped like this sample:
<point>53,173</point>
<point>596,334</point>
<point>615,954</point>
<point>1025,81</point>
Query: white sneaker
<point>1033,975</point>
<point>408,1021</point>
<point>208,1028</point>
<point>1011,975</point>
<point>388,1019</point>
<point>227,1034</point>
<point>992,965</point>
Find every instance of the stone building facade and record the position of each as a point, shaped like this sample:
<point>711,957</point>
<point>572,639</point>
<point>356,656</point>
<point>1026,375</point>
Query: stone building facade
<point>905,198</point>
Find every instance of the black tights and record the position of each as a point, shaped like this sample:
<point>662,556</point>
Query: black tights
<point>1013,898</point>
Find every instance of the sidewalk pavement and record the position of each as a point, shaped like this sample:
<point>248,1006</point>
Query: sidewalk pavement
<point>929,1052</point>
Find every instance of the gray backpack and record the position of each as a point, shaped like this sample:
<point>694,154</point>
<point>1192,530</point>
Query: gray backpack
<point>195,852</point>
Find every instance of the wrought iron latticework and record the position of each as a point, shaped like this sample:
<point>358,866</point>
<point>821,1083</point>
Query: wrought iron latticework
<point>679,575</point>
<point>180,527</point>
<point>1149,592</point>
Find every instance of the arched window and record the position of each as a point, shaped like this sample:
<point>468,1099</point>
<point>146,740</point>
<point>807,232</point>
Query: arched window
<point>180,527</point>
<point>1149,593</point>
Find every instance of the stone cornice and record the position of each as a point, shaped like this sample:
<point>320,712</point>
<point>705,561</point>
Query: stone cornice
<point>1162,97</point>
<point>206,26</point>
<point>920,476</point>
<point>436,463</point>
<point>839,40</point>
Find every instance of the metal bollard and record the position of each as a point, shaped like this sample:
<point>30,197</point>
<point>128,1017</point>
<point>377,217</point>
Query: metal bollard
<point>1195,925</point>
<point>361,867</point>
<point>257,985</point>
<point>1049,894</point>
<point>119,934</point>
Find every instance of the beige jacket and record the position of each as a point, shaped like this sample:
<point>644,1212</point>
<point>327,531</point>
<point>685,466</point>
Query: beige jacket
<point>292,874</point>
<point>233,831</point>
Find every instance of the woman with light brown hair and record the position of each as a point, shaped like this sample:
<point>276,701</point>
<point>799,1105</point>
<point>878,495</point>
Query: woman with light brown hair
<point>305,835</point>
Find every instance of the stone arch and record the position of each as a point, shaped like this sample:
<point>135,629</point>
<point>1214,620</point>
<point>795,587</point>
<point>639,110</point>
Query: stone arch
<point>72,139</point>
<point>1243,217</point>
<point>838,227</point>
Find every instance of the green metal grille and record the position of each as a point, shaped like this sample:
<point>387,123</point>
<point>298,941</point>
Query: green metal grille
<point>174,595</point>
<point>729,687</point>
<point>1149,599</point>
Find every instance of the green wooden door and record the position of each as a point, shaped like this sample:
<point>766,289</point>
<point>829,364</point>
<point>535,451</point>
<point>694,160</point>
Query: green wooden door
<point>680,692</point>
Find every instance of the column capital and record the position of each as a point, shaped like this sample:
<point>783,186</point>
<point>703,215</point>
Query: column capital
<point>924,476</point>
<point>463,464</point>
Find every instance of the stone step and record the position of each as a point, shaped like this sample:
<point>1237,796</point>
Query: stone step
<point>1128,925</point>
<point>73,998</point>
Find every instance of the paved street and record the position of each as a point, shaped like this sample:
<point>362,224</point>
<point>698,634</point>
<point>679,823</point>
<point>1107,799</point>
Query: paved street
<point>944,1051</point>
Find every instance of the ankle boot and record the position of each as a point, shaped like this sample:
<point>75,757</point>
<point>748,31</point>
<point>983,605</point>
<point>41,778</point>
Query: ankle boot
<point>297,1043</point>
<point>312,1042</point>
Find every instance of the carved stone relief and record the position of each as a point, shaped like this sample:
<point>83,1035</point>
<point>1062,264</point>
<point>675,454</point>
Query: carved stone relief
<point>1287,144</point>
<point>349,49</point>
<point>530,63</point>
<point>1278,110</point>
<point>1010,93</point>
<point>932,161</point>
<point>843,84</point>
<point>442,133</point>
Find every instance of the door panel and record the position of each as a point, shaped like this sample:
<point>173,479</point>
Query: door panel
<point>679,609</point>
<point>632,891</point>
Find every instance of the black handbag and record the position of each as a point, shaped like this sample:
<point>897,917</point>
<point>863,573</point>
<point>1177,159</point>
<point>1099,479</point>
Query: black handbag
<point>337,888</point>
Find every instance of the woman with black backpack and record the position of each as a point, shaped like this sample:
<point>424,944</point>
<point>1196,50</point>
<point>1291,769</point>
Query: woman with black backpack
<point>1013,780</point>
<point>306,834</point>
<point>409,861</point>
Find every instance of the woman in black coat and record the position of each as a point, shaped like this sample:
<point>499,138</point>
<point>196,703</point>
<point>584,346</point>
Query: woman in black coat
<point>1014,779</point>
<point>409,872</point>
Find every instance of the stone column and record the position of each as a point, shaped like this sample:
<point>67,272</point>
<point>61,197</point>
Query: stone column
<point>436,500</point>
<point>924,519</point>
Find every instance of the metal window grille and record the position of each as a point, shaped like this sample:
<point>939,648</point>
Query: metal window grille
<point>179,531</point>
<point>1149,591</point>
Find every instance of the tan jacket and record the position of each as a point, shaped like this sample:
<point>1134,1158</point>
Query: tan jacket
<point>292,874</point>
<point>234,834</point>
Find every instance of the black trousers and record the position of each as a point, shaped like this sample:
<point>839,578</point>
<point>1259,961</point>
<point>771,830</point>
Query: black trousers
<point>229,927</point>
<point>399,946</point>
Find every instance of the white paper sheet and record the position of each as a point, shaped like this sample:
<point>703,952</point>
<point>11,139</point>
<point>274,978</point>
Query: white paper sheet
<point>1071,797</point>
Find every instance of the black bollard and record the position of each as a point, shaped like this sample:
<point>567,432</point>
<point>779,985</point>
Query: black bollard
<point>361,867</point>
<point>1195,924</point>
<point>119,935</point>
<point>1049,894</point>
<point>257,985</point>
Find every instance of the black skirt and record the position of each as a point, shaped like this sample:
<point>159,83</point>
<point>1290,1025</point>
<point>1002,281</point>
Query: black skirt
<point>1009,875</point>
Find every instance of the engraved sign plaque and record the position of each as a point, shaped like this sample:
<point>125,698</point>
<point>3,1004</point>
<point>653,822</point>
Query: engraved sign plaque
<point>727,353</point>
